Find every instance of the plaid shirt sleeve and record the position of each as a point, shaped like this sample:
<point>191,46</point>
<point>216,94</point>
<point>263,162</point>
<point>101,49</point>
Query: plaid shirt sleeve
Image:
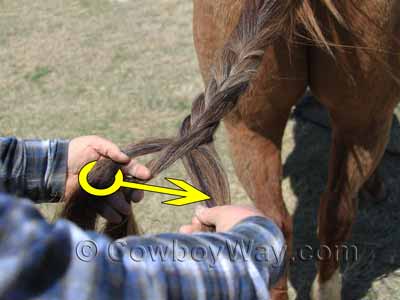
<point>33,168</point>
<point>60,261</point>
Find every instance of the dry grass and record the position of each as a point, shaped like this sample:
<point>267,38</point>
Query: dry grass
<point>122,70</point>
<point>127,70</point>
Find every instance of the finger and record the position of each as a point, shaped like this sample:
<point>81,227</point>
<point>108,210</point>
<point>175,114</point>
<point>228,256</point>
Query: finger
<point>109,214</point>
<point>186,229</point>
<point>133,195</point>
<point>128,193</point>
<point>196,225</point>
<point>133,168</point>
<point>108,149</point>
<point>248,207</point>
<point>136,196</point>
<point>208,216</point>
<point>119,204</point>
<point>196,221</point>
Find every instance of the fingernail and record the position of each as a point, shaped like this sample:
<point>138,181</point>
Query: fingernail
<point>141,172</point>
<point>126,157</point>
<point>146,172</point>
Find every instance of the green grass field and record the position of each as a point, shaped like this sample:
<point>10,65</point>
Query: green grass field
<point>127,70</point>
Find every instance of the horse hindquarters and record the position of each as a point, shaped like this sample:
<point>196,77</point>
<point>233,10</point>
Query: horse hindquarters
<point>256,126</point>
<point>360,95</point>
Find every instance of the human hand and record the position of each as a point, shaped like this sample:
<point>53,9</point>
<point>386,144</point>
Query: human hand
<point>222,217</point>
<point>85,149</point>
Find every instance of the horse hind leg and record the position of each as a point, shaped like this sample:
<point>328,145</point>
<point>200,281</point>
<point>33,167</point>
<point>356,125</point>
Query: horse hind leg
<point>354,157</point>
<point>257,161</point>
<point>360,95</point>
<point>255,127</point>
<point>255,131</point>
<point>374,190</point>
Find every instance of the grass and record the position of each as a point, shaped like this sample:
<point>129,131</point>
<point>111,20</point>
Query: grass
<point>127,70</point>
<point>38,73</point>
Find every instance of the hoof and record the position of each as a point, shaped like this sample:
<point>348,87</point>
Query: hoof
<point>328,290</point>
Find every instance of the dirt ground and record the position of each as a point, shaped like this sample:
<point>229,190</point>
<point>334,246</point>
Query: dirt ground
<point>125,70</point>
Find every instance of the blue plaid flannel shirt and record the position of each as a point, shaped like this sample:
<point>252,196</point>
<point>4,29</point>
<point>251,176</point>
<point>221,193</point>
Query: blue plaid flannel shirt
<point>39,260</point>
<point>35,169</point>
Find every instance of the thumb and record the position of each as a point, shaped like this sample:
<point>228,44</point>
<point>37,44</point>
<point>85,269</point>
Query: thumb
<point>208,216</point>
<point>108,149</point>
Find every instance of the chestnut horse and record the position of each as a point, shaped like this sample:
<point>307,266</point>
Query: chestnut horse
<point>347,53</point>
<point>257,57</point>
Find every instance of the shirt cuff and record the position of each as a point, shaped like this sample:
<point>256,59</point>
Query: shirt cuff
<point>56,174</point>
<point>265,234</point>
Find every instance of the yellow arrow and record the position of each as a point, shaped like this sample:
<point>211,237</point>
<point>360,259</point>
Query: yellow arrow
<point>188,193</point>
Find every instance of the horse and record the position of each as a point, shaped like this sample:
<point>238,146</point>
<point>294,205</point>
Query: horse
<point>347,54</point>
<point>257,57</point>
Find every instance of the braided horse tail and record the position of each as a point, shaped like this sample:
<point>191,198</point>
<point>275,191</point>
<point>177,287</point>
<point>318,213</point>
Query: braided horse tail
<point>261,23</point>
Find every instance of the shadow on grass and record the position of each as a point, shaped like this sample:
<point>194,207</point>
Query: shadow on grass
<point>376,231</point>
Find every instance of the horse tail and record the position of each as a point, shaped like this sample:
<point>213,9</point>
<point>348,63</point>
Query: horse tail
<point>260,24</point>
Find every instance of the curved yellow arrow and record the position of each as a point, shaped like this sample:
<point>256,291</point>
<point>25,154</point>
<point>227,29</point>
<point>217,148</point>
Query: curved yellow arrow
<point>188,193</point>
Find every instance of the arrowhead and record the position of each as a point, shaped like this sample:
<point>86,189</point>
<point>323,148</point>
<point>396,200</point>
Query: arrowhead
<point>192,195</point>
